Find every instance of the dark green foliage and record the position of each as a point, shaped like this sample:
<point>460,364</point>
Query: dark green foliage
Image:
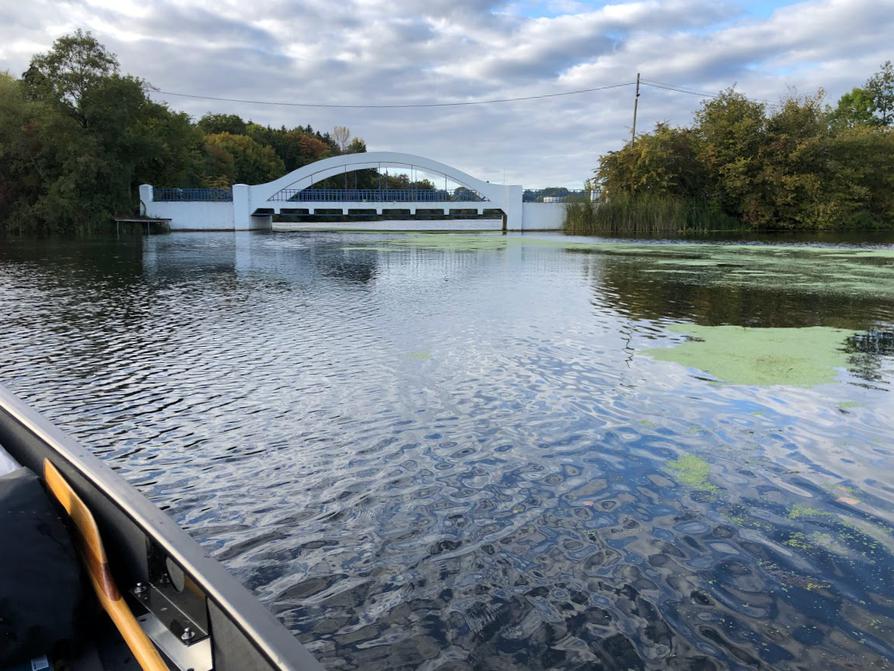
<point>252,162</point>
<point>799,166</point>
<point>537,195</point>
<point>222,123</point>
<point>77,138</point>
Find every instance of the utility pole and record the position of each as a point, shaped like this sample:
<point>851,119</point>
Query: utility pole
<point>635,105</point>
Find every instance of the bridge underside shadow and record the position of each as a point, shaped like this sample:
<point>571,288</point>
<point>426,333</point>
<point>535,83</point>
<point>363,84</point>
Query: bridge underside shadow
<point>466,216</point>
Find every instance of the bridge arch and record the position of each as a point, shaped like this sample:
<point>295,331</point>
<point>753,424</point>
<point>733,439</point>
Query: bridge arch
<point>255,204</point>
<point>310,174</point>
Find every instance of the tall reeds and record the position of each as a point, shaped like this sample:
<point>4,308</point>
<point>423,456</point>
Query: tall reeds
<point>643,214</point>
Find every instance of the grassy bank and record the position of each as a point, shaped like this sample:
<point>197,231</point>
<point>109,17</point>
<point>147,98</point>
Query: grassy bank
<point>644,215</point>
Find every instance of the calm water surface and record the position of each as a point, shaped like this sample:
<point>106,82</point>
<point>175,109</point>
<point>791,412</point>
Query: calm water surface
<point>438,453</point>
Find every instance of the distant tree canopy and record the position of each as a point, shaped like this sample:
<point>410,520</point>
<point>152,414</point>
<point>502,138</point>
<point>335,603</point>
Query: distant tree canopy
<point>239,158</point>
<point>77,137</point>
<point>537,195</point>
<point>799,165</point>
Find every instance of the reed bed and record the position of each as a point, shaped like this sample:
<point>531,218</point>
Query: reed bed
<point>644,214</point>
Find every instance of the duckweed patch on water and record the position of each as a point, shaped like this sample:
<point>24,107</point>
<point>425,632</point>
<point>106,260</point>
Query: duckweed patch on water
<point>802,268</point>
<point>798,511</point>
<point>799,541</point>
<point>796,357</point>
<point>451,241</point>
<point>692,471</point>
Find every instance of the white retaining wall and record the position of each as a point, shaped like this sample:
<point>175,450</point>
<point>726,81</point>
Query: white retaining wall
<point>540,217</point>
<point>192,216</point>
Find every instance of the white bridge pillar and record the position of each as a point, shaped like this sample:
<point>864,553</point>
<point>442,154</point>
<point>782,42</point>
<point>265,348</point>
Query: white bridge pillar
<point>147,198</point>
<point>242,209</point>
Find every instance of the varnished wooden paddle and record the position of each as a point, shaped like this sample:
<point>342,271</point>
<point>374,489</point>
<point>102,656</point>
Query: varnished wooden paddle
<point>94,556</point>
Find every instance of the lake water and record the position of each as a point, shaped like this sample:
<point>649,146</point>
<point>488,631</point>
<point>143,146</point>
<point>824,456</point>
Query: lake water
<point>494,452</point>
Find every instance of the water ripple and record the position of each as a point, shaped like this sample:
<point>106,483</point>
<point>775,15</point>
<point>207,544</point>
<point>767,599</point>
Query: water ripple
<point>437,458</point>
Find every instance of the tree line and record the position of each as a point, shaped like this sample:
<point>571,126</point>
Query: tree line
<point>77,138</point>
<point>800,164</point>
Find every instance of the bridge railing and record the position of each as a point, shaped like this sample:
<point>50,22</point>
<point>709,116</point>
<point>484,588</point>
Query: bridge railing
<point>377,195</point>
<point>209,195</point>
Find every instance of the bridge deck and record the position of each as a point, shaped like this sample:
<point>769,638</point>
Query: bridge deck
<point>379,207</point>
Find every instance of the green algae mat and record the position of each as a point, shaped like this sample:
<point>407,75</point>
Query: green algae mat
<point>804,268</point>
<point>692,471</point>
<point>796,357</point>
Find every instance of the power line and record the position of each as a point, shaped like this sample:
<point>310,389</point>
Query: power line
<point>701,94</point>
<point>395,106</point>
<point>672,87</point>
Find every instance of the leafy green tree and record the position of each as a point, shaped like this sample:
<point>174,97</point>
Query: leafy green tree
<point>252,163</point>
<point>20,176</point>
<point>91,136</point>
<point>855,108</point>
<point>730,129</point>
<point>881,87</point>
<point>356,146</point>
<point>859,178</point>
<point>70,72</point>
<point>296,146</point>
<point>86,140</point>
<point>222,123</point>
<point>173,153</point>
<point>787,190</point>
<point>664,162</point>
<point>219,166</point>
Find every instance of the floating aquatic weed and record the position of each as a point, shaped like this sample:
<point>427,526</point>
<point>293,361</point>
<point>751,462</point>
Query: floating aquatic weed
<point>367,248</point>
<point>696,263</point>
<point>467,242</point>
<point>419,356</point>
<point>451,241</point>
<point>692,471</point>
<point>799,510</point>
<point>798,268</point>
<point>799,541</point>
<point>797,357</point>
<point>814,586</point>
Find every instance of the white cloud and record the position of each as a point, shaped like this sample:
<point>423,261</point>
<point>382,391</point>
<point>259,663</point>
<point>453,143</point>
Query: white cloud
<point>424,50</point>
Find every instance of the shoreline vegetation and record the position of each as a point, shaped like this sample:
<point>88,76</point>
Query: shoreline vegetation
<point>78,137</point>
<point>645,214</point>
<point>799,165</point>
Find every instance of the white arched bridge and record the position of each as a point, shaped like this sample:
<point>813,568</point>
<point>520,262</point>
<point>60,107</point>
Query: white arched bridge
<point>356,191</point>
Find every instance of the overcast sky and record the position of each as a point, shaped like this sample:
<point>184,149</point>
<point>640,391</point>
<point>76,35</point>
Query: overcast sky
<point>385,51</point>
